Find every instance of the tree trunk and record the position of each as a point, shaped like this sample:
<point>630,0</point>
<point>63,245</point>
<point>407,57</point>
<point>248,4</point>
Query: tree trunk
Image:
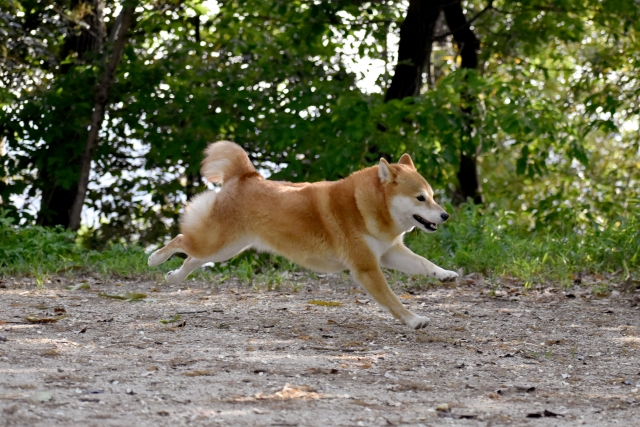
<point>414,50</point>
<point>57,199</point>
<point>468,45</point>
<point>414,56</point>
<point>101,97</point>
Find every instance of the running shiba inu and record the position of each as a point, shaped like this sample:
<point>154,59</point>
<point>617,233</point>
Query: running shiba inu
<point>354,224</point>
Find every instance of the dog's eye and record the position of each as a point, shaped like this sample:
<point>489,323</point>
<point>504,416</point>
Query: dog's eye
<point>421,198</point>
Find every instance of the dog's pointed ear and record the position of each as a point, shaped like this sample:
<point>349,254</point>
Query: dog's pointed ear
<point>384,172</point>
<point>406,160</point>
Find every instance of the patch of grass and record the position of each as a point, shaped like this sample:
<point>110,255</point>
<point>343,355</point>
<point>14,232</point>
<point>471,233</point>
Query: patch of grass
<point>500,243</point>
<point>41,252</point>
<point>493,242</point>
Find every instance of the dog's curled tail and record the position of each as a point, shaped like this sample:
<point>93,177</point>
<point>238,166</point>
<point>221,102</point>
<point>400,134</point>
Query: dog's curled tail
<point>225,160</point>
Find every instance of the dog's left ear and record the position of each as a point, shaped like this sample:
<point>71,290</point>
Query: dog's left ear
<point>384,172</point>
<point>406,160</point>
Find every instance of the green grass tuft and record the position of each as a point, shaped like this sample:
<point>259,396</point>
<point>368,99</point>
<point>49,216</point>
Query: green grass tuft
<point>494,242</point>
<point>497,243</point>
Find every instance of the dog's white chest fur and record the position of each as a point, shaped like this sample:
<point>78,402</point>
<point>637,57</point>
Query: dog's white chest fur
<point>377,246</point>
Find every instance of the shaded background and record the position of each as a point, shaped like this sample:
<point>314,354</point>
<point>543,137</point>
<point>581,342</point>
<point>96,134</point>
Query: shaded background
<point>527,108</point>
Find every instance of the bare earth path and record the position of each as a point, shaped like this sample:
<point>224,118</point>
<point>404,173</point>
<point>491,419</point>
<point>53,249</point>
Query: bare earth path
<point>247,356</point>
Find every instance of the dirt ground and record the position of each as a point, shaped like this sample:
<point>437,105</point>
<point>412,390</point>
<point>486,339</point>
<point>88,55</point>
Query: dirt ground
<point>242,355</point>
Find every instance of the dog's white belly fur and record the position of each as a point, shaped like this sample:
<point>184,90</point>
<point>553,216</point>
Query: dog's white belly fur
<point>326,264</point>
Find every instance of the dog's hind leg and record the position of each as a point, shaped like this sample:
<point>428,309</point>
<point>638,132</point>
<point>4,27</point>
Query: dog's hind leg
<point>191,263</point>
<point>163,254</point>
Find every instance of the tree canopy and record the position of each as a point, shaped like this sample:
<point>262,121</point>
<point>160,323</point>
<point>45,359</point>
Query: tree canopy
<point>547,113</point>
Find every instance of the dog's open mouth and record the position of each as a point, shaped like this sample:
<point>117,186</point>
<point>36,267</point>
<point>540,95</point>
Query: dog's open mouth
<point>428,225</point>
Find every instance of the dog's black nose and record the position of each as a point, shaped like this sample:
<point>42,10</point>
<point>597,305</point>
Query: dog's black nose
<point>444,216</point>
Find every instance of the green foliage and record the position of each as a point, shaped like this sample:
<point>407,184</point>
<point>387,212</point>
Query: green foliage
<point>494,242</point>
<point>41,251</point>
<point>498,243</point>
<point>554,111</point>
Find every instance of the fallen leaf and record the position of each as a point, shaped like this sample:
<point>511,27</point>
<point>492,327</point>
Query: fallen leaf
<point>443,407</point>
<point>325,303</point>
<point>36,319</point>
<point>51,353</point>
<point>129,296</point>
<point>79,286</point>
<point>170,319</point>
<point>198,373</point>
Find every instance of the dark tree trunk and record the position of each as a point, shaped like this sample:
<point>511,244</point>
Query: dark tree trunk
<point>414,56</point>
<point>414,50</point>
<point>468,45</point>
<point>99,107</point>
<point>57,199</point>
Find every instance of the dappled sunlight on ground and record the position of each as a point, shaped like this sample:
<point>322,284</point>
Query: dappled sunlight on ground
<point>237,355</point>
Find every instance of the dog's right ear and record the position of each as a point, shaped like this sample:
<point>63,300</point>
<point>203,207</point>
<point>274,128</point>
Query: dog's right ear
<point>384,172</point>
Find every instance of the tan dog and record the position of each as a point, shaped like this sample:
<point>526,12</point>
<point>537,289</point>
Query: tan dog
<point>354,224</point>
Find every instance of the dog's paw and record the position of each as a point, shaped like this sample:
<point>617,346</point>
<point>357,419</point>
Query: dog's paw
<point>447,276</point>
<point>173,277</point>
<point>417,322</point>
<point>155,259</point>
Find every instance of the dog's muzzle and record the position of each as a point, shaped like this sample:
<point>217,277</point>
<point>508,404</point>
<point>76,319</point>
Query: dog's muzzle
<point>428,225</point>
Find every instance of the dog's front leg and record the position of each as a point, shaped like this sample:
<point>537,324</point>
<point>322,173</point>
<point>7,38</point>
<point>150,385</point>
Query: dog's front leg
<point>372,279</point>
<point>400,258</point>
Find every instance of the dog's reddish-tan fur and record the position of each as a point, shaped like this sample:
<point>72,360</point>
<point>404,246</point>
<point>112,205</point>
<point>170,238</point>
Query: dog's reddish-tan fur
<point>321,226</point>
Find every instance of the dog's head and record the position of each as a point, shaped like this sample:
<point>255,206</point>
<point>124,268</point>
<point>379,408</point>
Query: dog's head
<point>409,196</point>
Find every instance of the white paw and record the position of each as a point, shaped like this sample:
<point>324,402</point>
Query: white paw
<point>417,322</point>
<point>173,277</point>
<point>154,259</point>
<point>447,276</point>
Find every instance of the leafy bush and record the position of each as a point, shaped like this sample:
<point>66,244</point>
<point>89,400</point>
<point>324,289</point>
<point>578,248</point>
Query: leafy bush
<point>38,250</point>
<point>497,242</point>
<point>494,242</point>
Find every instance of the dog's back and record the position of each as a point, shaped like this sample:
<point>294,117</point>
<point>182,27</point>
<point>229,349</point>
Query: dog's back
<point>291,219</point>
